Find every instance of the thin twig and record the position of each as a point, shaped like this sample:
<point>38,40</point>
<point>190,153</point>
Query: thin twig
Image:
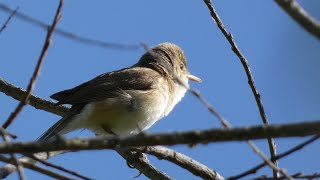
<point>302,17</point>
<point>181,160</point>
<point>33,79</point>
<point>70,35</point>
<point>5,137</point>
<point>58,167</point>
<point>9,18</point>
<point>9,168</point>
<point>268,161</point>
<point>37,168</point>
<point>279,156</point>
<point>296,176</point>
<point>245,64</point>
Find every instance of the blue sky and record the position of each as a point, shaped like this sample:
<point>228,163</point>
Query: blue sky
<point>284,60</point>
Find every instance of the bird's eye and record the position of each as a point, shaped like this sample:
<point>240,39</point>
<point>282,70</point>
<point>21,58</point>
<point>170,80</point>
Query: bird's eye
<point>181,66</point>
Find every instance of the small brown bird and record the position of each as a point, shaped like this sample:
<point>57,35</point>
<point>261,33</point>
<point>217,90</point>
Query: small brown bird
<point>129,100</point>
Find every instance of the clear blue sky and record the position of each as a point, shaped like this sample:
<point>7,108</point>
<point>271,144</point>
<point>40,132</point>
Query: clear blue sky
<point>284,60</point>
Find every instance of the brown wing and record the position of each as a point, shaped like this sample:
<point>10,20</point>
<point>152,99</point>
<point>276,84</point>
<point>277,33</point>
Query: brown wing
<point>108,86</point>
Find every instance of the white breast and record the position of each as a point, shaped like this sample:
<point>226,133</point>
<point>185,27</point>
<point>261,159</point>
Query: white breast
<point>178,94</point>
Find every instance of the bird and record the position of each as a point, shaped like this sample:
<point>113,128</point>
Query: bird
<point>126,101</point>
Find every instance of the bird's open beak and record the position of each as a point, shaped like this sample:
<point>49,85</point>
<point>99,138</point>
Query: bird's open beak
<point>194,78</point>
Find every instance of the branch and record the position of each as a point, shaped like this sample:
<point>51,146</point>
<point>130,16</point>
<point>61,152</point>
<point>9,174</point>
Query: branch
<point>187,137</point>
<point>181,160</point>
<point>69,35</point>
<point>279,156</point>
<point>37,68</point>
<point>8,20</point>
<point>296,176</point>
<point>245,64</point>
<point>35,168</point>
<point>58,167</point>
<point>16,163</point>
<point>9,168</point>
<point>35,101</point>
<point>301,16</point>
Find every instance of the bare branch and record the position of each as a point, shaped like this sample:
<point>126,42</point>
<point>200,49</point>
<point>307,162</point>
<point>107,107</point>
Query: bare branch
<point>69,35</point>
<point>36,168</point>
<point>302,17</point>
<point>9,168</point>
<point>269,161</point>
<point>296,176</point>
<point>245,64</point>
<point>181,160</point>
<point>8,20</point>
<point>58,167</point>
<point>173,138</point>
<point>35,101</point>
<point>37,68</point>
<point>279,156</point>
<point>5,137</point>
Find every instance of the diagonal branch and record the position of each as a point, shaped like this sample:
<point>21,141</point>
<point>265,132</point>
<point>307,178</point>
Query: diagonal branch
<point>70,35</point>
<point>245,64</point>
<point>15,161</point>
<point>302,17</point>
<point>35,168</point>
<point>57,167</point>
<point>8,20</point>
<point>279,156</point>
<point>35,101</point>
<point>9,168</point>
<point>33,79</point>
<point>181,160</point>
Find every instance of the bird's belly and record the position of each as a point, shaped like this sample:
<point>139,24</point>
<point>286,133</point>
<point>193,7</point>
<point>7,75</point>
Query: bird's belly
<point>121,118</point>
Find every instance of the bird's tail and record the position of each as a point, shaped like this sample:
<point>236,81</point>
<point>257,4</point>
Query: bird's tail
<point>63,126</point>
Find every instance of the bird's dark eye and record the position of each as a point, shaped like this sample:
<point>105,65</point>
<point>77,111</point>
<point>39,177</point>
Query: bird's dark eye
<point>181,66</point>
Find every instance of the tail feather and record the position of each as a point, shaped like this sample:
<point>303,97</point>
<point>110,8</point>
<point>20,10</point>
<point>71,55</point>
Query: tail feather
<point>62,126</point>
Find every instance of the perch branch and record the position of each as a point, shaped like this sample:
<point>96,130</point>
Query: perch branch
<point>8,20</point>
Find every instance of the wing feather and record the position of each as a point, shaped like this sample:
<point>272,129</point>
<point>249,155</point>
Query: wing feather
<point>107,86</point>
